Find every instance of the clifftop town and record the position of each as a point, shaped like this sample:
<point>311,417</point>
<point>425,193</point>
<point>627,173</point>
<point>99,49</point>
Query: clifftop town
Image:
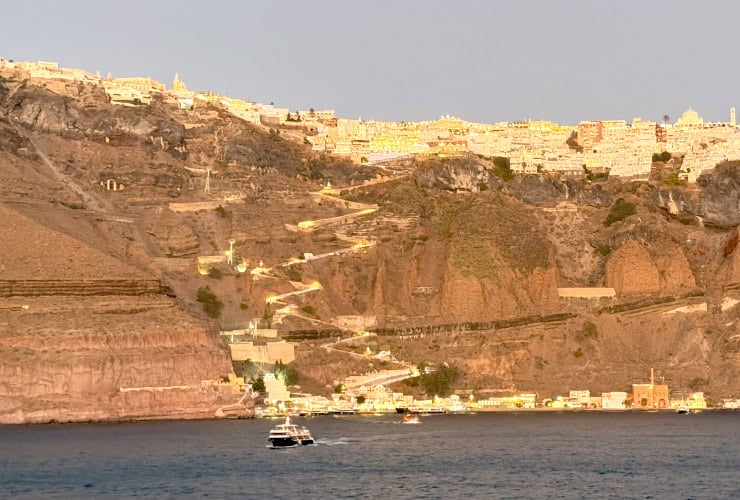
<point>533,146</point>
<point>161,245</point>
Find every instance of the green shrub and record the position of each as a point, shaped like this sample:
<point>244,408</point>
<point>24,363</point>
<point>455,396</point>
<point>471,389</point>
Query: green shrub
<point>665,157</point>
<point>502,168</point>
<point>215,273</point>
<point>309,310</point>
<point>221,211</point>
<point>697,383</point>
<point>211,305</point>
<point>588,330</point>
<point>293,274</point>
<point>287,374</point>
<point>604,249</point>
<point>619,211</point>
<point>595,176</point>
<point>578,353</point>
<point>673,180</point>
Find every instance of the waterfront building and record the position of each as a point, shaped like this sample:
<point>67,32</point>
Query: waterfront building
<point>578,399</point>
<point>649,396</point>
<point>695,401</point>
<point>614,400</point>
<point>275,388</point>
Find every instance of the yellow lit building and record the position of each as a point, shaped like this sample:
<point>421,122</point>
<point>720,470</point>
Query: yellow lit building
<point>143,85</point>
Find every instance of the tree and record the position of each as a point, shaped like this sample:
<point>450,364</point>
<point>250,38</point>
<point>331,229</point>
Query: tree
<point>666,118</point>
<point>502,168</point>
<point>440,381</point>
<point>287,374</point>
<point>665,157</point>
<point>258,383</point>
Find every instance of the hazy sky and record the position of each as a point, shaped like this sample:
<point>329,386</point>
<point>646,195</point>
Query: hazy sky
<point>482,60</point>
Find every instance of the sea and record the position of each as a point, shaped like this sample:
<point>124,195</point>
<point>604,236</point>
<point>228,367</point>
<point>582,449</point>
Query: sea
<point>492,455</point>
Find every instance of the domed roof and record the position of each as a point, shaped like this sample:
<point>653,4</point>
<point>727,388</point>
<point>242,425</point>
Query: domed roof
<point>690,117</point>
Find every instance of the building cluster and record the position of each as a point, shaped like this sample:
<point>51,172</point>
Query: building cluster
<point>533,146</point>
<point>49,70</point>
<point>374,399</point>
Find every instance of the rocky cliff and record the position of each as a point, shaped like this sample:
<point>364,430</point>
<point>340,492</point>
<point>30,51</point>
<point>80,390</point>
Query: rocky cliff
<point>448,242</point>
<point>715,199</point>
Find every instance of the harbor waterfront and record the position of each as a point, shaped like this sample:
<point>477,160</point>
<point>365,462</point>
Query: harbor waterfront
<point>500,455</point>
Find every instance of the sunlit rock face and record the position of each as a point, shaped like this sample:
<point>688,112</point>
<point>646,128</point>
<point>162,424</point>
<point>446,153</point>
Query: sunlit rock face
<point>631,270</point>
<point>456,175</point>
<point>715,203</point>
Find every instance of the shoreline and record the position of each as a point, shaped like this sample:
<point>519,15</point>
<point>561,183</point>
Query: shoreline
<point>360,414</point>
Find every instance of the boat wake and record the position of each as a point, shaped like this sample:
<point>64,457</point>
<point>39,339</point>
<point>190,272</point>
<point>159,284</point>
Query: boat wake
<point>334,442</point>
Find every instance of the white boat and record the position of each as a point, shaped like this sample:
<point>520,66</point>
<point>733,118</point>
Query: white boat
<point>683,410</point>
<point>289,434</point>
<point>457,408</point>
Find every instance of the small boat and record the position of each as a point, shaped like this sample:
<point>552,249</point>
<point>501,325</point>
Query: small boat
<point>457,408</point>
<point>289,434</point>
<point>410,418</point>
<point>683,410</point>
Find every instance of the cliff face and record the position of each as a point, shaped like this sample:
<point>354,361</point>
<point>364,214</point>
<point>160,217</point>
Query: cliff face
<point>548,192</point>
<point>119,350</point>
<point>716,198</point>
<point>450,243</point>
<point>456,175</point>
<point>114,361</point>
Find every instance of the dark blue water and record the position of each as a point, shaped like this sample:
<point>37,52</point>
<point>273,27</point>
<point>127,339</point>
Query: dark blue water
<point>525,455</point>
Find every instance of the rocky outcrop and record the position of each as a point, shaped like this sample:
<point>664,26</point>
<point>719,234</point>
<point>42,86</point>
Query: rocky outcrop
<point>455,175</point>
<point>510,294</point>
<point>544,191</point>
<point>730,267</point>
<point>42,110</point>
<point>716,202</point>
<point>720,199</point>
<point>673,268</point>
<point>174,237</point>
<point>631,270</point>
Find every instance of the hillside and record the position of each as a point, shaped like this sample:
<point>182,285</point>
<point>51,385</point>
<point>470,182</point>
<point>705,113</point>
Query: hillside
<point>104,212</point>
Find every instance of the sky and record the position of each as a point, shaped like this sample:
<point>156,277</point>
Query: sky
<point>407,60</point>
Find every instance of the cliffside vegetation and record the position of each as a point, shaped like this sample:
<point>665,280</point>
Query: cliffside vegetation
<point>211,304</point>
<point>619,211</point>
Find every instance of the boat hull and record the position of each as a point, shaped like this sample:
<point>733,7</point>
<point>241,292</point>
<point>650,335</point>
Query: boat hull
<point>289,442</point>
<point>283,442</point>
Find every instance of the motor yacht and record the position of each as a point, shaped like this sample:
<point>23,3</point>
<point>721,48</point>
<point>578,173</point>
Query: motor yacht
<point>289,434</point>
